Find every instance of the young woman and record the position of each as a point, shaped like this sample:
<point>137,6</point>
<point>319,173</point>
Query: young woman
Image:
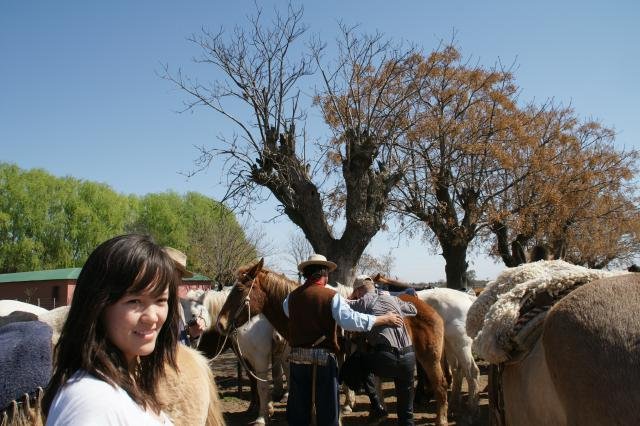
<point>120,333</point>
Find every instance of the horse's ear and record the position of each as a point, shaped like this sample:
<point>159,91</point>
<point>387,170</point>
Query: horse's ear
<point>255,269</point>
<point>377,277</point>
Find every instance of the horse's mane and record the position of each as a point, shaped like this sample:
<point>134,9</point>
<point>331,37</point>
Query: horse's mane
<point>213,300</point>
<point>341,289</point>
<point>381,279</point>
<point>276,284</point>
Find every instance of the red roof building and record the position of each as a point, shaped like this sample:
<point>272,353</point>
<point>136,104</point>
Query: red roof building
<point>54,287</point>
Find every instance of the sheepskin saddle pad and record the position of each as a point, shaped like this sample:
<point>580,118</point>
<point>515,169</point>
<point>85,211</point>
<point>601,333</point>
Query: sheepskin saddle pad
<point>505,319</point>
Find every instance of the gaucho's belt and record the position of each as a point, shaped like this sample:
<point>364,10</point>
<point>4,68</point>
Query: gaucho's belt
<point>397,351</point>
<point>317,356</point>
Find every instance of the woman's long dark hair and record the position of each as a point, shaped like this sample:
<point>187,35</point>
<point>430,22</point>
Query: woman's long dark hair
<point>122,265</point>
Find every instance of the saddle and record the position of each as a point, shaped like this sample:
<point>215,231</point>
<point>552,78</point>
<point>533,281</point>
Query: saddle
<point>505,320</point>
<point>528,327</point>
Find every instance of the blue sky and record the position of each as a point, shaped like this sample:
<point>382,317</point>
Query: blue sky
<point>79,94</point>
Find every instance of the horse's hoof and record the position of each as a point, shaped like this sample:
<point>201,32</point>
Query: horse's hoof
<point>346,409</point>
<point>258,421</point>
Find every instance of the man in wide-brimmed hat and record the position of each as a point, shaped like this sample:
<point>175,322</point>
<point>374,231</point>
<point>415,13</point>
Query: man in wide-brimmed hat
<point>190,330</point>
<point>391,353</point>
<point>315,311</point>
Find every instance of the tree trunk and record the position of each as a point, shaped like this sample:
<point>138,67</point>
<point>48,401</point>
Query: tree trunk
<point>456,264</point>
<point>345,272</point>
<point>512,254</point>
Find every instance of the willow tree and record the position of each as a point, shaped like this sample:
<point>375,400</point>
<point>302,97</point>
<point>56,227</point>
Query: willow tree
<point>462,154</point>
<point>47,222</point>
<point>215,243</point>
<point>336,192</point>
<point>580,202</point>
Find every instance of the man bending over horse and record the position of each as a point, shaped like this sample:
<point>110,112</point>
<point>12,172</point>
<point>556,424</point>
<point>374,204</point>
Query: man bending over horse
<point>314,312</point>
<point>390,352</point>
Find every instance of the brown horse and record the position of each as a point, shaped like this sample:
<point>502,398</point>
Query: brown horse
<point>583,365</point>
<point>258,290</point>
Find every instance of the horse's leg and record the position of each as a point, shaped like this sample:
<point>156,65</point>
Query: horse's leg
<point>379,390</point>
<point>432,367</point>
<point>349,399</point>
<point>446,368</point>
<point>277,372</point>
<point>253,392</point>
<point>278,361</point>
<point>471,372</point>
<point>423,392</point>
<point>451,355</point>
<point>428,341</point>
<point>256,346</point>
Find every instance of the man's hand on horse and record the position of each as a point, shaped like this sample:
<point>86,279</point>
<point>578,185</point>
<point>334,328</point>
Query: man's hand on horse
<point>390,318</point>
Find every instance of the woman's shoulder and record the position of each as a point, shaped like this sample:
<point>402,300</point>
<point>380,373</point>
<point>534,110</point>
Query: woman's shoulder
<point>84,386</point>
<point>84,399</point>
<point>87,400</point>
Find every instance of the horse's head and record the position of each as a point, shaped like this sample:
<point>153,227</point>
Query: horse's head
<point>246,299</point>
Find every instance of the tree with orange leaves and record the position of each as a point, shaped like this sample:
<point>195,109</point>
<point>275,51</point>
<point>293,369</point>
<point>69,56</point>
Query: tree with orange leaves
<point>463,153</point>
<point>579,202</point>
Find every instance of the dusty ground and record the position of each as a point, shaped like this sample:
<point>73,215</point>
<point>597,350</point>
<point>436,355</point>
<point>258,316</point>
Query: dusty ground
<point>235,404</point>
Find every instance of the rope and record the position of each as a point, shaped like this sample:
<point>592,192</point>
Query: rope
<point>234,333</point>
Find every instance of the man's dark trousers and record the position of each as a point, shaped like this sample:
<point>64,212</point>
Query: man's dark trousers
<point>399,367</point>
<point>299,402</point>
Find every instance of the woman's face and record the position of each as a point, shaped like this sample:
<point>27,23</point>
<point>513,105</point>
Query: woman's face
<point>134,321</point>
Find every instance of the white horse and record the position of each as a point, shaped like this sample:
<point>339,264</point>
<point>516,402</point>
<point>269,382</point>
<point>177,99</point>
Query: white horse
<point>453,305</point>
<point>9,306</point>
<point>258,343</point>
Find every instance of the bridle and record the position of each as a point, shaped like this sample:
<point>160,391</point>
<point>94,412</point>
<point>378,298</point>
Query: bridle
<point>247,302</point>
<point>233,328</point>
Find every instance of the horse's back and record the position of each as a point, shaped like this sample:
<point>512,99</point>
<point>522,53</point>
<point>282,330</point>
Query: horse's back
<point>426,328</point>
<point>8,306</point>
<point>189,394</point>
<point>447,300</point>
<point>591,341</point>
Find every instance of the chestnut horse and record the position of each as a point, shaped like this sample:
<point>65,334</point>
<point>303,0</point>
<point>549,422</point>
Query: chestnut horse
<point>452,305</point>
<point>259,290</point>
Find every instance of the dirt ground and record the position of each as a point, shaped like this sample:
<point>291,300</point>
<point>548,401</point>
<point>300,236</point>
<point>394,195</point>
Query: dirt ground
<point>235,404</point>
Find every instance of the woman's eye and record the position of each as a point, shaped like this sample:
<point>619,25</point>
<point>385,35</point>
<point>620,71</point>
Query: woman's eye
<point>163,300</point>
<point>133,301</point>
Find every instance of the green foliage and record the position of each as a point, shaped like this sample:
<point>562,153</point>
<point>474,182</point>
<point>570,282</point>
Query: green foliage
<point>214,242</point>
<point>48,222</point>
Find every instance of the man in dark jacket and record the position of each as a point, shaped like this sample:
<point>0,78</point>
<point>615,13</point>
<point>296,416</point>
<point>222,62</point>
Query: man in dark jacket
<point>314,312</point>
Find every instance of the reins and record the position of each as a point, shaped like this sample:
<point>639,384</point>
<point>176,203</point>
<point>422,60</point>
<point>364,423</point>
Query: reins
<point>234,330</point>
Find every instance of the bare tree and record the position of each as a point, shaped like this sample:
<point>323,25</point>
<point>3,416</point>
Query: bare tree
<point>217,249</point>
<point>262,82</point>
<point>298,250</point>
<point>372,265</point>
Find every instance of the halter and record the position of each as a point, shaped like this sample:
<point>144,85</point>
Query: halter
<point>233,328</point>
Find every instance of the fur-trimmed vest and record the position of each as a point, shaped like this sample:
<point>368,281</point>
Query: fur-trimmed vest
<point>310,318</point>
